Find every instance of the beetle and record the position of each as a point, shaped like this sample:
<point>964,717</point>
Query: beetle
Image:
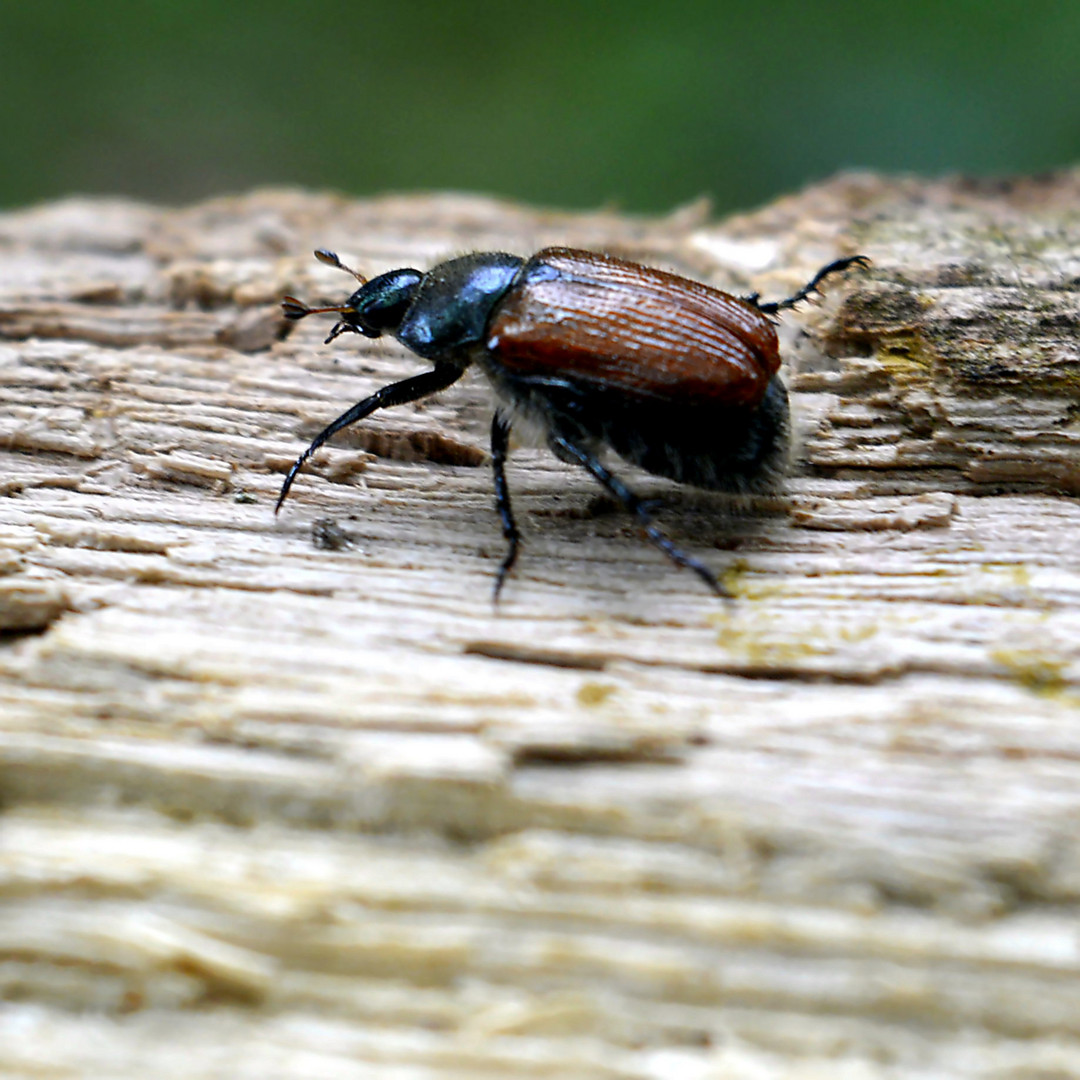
<point>676,377</point>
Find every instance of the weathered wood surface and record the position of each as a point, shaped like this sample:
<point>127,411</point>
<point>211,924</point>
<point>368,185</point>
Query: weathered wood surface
<point>285,797</point>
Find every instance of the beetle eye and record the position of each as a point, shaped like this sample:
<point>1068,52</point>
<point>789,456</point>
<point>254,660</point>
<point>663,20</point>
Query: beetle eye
<point>383,316</point>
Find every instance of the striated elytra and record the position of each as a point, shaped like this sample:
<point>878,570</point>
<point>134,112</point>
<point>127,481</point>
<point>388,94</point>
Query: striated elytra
<point>676,377</point>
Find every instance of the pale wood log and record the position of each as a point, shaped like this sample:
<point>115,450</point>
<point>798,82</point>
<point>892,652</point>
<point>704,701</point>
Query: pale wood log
<point>286,797</point>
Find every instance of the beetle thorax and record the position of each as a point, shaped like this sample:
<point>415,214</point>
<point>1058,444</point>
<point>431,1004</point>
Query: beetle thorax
<point>453,304</point>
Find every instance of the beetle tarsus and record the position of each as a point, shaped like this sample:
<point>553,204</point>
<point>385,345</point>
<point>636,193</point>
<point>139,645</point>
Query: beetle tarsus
<point>835,267</point>
<point>399,393</point>
<point>500,440</point>
<point>570,451</point>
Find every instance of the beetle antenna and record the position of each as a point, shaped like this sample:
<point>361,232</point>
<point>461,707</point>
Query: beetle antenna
<point>324,255</point>
<point>812,285</point>
<point>295,309</point>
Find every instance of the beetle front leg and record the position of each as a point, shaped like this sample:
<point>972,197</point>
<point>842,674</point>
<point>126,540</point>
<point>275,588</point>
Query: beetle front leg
<point>399,393</point>
<point>500,440</point>
<point>569,451</point>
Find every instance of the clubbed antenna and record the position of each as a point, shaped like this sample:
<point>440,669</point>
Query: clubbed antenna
<point>294,309</point>
<point>324,255</point>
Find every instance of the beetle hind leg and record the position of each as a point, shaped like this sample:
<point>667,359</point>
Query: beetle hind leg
<point>500,439</point>
<point>570,451</point>
<point>836,267</point>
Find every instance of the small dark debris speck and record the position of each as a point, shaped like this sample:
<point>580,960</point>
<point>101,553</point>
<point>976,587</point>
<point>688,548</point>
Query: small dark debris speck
<point>328,535</point>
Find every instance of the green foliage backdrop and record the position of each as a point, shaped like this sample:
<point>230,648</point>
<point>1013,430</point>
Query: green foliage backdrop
<point>638,104</point>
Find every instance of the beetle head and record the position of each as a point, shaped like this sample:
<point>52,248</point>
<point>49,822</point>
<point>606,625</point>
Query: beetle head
<point>377,307</point>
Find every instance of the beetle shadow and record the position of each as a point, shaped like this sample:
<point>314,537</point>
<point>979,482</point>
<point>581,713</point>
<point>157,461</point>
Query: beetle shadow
<point>708,526</point>
<point>710,520</point>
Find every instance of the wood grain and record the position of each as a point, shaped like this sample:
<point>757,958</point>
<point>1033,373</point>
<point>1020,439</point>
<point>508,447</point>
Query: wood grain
<point>286,797</point>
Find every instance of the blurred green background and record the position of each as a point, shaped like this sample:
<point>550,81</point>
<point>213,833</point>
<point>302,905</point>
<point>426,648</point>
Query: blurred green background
<point>637,105</point>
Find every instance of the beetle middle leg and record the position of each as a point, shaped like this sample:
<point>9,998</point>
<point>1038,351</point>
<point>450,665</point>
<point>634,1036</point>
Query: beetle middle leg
<point>570,451</point>
<point>500,439</point>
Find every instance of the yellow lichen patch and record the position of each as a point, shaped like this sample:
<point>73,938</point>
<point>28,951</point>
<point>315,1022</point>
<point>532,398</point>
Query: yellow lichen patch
<point>590,694</point>
<point>1032,669</point>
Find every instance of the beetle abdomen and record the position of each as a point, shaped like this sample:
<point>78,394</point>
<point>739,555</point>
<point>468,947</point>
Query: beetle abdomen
<point>708,444</point>
<point>718,447</point>
<point>633,330</point>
